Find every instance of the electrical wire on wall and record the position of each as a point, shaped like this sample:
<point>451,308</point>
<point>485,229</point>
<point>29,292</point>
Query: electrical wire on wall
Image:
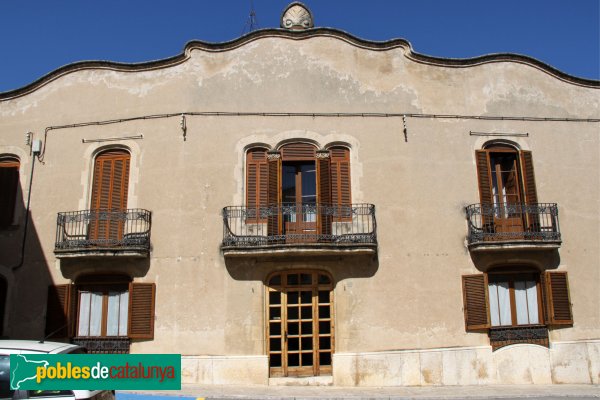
<point>403,116</point>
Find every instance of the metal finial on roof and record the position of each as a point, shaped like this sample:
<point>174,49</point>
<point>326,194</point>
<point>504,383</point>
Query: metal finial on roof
<point>252,23</point>
<point>297,16</point>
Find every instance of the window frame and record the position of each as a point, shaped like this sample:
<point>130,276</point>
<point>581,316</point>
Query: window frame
<point>511,277</point>
<point>105,290</point>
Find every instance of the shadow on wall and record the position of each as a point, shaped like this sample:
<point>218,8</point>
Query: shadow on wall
<point>339,266</point>
<point>23,300</point>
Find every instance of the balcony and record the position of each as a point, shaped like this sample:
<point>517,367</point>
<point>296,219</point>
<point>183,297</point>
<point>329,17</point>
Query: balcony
<point>513,233</point>
<point>100,233</point>
<point>299,229</point>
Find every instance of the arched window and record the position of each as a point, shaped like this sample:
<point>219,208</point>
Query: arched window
<point>506,187</point>
<point>109,196</point>
<point>305,189</point>
<point>9,185</point>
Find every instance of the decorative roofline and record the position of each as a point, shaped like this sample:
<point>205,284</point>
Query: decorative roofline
<point>300,35</point>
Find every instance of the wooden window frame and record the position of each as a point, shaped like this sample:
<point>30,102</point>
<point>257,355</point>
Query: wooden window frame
<point>526,187</point>
<point>104,289</point>
<point>511,277</point>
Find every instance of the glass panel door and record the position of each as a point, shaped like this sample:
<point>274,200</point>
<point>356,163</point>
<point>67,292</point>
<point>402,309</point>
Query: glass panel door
<point>299,197</point>
<point>300,331</point>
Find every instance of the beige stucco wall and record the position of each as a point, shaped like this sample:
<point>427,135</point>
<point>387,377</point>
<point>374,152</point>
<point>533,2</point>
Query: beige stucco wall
<point>409,296</point>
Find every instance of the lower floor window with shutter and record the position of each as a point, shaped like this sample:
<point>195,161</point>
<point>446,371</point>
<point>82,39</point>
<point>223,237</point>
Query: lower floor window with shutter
<point>516,305</point>
<point>104,317</point>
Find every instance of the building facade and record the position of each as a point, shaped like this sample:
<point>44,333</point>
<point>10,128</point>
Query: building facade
<point>300,203</point>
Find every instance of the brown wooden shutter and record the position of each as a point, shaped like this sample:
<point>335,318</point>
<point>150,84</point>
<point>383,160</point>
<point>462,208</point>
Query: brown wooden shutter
<point>141,310</point>
<point>257,182</point>
<point>528,178</point>
<point>109,192</point>
<point>483,177</point>
<point>324,217</point>
<point>340,180</point>
<point>60,318</point>
<point>475,299</point>
<point>274,193</point>
<point>558,300</point>
<point>9,185</point>
<point>298,151</point>
<point>485,190</point>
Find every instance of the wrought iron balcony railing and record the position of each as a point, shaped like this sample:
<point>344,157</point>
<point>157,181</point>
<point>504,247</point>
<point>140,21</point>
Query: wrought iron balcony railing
<point>513,222</point>
<point>299,224</point>
<point>103,230</point>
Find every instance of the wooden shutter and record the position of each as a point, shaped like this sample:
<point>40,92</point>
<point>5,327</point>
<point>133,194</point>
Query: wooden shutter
<point>60,318</point>
<point>324,218</point>
<point>483,177</point>
<point>257,182</point>
<point>475,299</point>
<point>141,310</point>
<point>9,185</point>
<point>557,298</point>
<point>274,193</point>
<point>485,190</point>
<point>298,152</point>
<point>340,180</point>
<point>528,178</point>
<point>109,192</point>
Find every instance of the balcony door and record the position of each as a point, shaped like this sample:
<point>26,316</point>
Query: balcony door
<point>506,196</point>
<point>506,187</point>
<point>300,323</point>
<point>299,197</point>
<point>109,197</point>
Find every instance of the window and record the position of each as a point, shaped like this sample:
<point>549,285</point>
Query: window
<point>103,312</point>
<point>506,184</point>
<point>109,193</point>
<point>514,299</point>
<point>9,185</point>
<point>298,183</point>
<point>505,176</point>
<point>516,305</point>
<point>101,309</point>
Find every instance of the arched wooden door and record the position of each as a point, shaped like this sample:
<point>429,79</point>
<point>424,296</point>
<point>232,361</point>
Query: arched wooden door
<point>109,197</point>
<point>300,339</point>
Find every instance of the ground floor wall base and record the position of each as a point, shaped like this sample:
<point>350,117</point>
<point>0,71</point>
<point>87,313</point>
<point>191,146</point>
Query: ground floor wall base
<point>225,370</point>
<point>564,362</point>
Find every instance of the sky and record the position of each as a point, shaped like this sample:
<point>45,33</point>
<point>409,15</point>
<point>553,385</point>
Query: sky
<point>39,36</point>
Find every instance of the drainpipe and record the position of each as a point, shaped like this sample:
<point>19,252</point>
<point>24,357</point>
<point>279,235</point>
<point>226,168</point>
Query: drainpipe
<point>35,149</point>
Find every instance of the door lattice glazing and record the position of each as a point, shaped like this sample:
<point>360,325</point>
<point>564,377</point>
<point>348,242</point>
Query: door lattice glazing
<point>300,324</point>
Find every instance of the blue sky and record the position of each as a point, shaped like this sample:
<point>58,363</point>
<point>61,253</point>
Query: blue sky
<point>38,36</point>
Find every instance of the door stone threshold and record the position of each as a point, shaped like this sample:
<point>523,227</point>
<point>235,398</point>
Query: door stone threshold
<point>303,381</point>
